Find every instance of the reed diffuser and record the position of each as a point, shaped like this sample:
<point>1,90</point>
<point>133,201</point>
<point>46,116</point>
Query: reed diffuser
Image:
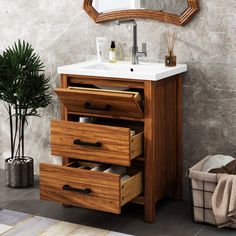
<point>170,40</point>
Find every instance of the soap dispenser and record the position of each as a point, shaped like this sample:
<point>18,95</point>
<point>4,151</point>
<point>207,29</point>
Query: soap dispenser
<point>112,52</point>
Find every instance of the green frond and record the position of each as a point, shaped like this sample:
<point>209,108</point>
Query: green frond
<point>22,79</point>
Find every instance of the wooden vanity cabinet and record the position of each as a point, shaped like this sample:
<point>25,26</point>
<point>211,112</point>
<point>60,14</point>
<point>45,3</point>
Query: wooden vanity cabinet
<point>156,106</point>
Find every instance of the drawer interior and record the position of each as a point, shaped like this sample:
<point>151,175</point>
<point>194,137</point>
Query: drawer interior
<point>102,102</point>
<point>131,180</point>
<point>135,126</point>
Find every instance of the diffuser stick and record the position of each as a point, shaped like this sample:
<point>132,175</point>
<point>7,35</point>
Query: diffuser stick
<point>170,40</point>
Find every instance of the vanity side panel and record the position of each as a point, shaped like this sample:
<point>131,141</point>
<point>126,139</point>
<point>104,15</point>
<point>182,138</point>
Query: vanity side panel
<point>151,179</point>
<point>64,113</point>
<point>162,142</point>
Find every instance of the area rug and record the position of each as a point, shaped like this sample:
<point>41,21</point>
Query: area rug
<point>20,224</point>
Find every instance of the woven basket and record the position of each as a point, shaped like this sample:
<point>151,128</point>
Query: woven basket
<point>202,186</point>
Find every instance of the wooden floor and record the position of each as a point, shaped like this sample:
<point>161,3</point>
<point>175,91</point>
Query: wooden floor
<point>14,223</point>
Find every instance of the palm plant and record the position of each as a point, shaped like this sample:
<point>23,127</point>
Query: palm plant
<point>23,89</point>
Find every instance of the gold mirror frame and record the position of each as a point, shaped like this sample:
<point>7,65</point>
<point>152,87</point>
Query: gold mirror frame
<point>147,14</point>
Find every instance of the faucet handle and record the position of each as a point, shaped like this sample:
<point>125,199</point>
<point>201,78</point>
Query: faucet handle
<point>144,47</point>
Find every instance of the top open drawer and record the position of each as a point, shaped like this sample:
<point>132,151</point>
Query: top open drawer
<point>111,103</point>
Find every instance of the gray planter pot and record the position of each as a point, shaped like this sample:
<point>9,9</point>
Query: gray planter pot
<point>19,174</point>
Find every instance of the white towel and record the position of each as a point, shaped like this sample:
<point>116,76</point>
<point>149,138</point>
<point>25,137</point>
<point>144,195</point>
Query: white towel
<point>119,170</point>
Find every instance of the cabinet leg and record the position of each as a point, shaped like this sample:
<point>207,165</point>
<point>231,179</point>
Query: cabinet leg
<point>150,213</point>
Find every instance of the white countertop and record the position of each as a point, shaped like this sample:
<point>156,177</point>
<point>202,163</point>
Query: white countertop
<point>123,69</point>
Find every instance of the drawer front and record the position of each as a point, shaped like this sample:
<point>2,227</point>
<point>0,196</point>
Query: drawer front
<point>92,142</point>
<point>89,189</point>
<point>101,102</point>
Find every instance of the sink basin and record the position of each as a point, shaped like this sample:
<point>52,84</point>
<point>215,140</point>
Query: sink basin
<point>127,68</point>
<point>123,69</point>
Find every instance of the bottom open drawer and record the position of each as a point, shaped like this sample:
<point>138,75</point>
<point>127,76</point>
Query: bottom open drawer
<point>90,189</point>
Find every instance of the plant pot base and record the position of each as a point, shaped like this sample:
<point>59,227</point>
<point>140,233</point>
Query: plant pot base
<point>19,174</point>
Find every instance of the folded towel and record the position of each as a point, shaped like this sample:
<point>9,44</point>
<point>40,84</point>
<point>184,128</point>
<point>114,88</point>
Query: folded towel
<point>119,170</point>
<point>124,177</point>
<point>100,167</point>
<point>224,200</point>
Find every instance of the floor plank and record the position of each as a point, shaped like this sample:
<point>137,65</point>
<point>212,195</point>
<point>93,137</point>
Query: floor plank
<point>4,228</point>
<point>33,226</point>
<point>12,218</point>
<point>60,228</point>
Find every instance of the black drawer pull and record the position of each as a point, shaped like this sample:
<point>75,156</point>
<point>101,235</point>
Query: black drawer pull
<point>88,105</point>
<point>76,190</point>
<point>78,142</point>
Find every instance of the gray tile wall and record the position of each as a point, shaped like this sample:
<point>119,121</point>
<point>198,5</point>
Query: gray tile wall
<point>62,33</point>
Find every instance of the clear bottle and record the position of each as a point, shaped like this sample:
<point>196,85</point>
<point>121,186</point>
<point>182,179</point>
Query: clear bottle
<point>112,52</point>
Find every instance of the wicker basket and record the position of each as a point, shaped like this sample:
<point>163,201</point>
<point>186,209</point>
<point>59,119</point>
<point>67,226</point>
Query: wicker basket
<point>202,187</point>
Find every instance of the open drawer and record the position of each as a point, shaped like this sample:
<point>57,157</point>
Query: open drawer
<point>107,144</point>
<point>101,102</point>
<point>89,189</point>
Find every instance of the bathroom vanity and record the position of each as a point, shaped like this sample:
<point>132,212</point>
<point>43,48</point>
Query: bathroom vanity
<point>136,113</point>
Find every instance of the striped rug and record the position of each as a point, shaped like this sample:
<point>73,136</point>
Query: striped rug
<point>20,224</point>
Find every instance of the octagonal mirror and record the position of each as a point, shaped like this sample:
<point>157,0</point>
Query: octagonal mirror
<point>178,12</point>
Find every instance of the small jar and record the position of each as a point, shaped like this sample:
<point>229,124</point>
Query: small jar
<point>170,60</point>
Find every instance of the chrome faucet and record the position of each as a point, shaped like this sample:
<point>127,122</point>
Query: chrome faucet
<point>135,53</point>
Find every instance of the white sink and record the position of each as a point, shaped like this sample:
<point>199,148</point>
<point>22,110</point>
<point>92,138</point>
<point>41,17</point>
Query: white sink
<point>123,69</point>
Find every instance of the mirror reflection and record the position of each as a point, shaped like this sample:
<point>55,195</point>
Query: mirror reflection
<point>176,7</point>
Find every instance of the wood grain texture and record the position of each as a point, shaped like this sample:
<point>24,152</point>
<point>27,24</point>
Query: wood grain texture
<point>162,130</point>
<point>162,158</point>
<point>131,188</point>
<point>152,182</point>
<point>64,112</point>
<point>64,84</point>
<point>115,142</point>
<point>139,200</point>
<point>184,18</point>
<point>136,145</point>
<point>106,191</point>
<point>121,104</point>
<point>105,188</point>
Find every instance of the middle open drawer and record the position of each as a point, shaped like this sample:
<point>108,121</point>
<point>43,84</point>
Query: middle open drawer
<point>92,142</point>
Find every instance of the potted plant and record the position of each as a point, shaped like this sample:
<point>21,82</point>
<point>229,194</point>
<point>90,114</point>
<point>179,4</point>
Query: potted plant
<point>23,89</point>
